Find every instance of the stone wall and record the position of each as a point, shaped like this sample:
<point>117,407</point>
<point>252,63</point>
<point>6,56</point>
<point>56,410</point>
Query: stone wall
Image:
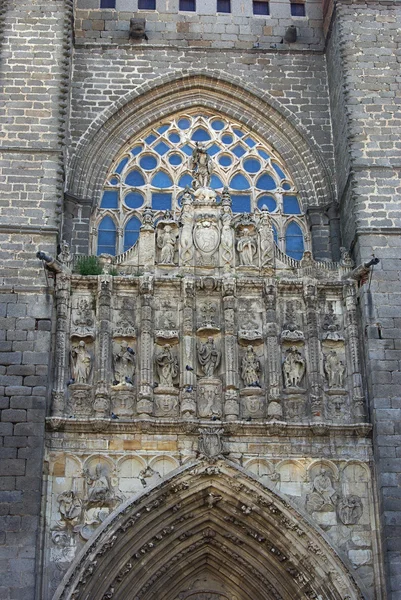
<point>204,28</point>
<point>371,66</point>
<point>34,58</point>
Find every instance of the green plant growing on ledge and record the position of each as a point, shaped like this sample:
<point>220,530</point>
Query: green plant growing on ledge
<point>89,265</point>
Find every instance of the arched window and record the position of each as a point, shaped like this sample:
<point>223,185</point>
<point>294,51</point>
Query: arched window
<point>131,232</point>
<point>153,170</point>
<point>107,235</point>
<point>294,241</point>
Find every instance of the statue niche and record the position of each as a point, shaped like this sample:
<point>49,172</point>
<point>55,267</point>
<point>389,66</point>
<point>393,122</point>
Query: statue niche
<point>167,366</point>
<point>167,236</point>
<point>124,366</point>
<point>294,367</point>
<point>81,364</point>
<point>209,357</point>
<point>209,391</point>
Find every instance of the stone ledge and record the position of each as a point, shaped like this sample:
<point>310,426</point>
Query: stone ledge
<point>179,426</point>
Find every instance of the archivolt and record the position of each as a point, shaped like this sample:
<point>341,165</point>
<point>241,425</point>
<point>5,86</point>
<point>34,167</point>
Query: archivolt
<point>217,520</point>
<point>255,109</point>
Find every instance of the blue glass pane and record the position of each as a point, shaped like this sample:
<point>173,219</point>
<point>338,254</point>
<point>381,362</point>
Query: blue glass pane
<point>133,200</point>
<point>275,234</point>
<point>163,128</point>
<point>183,123</point>
<point>227,139</point>
<point>185,180</point>
<point>294,241</point>
<point>135,178</point>
<point>252,165</point>
<point>109,199</point>
<point>174,137</point>
<point>121,165</point>
<point>150,139</point>
<point>162,148</point>
<point>250,142</point>
<point>286,186</point>
<point>113,181</point>
<point>266,182</point>
<point>225,160</point>
<point>131,233</point>
<point>239,182</point>
<point>238,132</point>
<point>162,180</point>
<point>218,125</point>
<point>241,203</point>
<point>216,183</point>
<point>239,151</point>
<point>263,154</point>
<point>213,150</point>
<point>107,235</point>
<point>187,149</point>
<point>267,201</point>
<point>278,171</point>
<point>200,135</point>
<point>148,162</point>
<point>175,159</point>
<point>136,150</point>
<point>291,205</point>
<point>161,201</point>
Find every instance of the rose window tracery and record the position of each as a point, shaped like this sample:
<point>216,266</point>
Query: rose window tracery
<point>153,171</point>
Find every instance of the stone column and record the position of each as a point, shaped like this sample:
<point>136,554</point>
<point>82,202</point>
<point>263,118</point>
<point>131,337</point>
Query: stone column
<point>352,351</point>
<point>273,374</point>
<point>231,406</point>
<point>145,399</point>
<point>147,241</point>
<point>188,351</point>
<point>313,349</point>
<point>63,285</point>
<point>102,395</point>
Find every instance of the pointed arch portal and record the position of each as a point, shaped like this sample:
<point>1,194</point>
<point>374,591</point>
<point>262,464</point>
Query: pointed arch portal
<point>208,532</point>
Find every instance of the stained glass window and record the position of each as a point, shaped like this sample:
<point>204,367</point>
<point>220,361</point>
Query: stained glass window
<point>153,169</point>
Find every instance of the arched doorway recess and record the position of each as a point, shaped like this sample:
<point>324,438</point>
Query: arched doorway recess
<point>210,525</point>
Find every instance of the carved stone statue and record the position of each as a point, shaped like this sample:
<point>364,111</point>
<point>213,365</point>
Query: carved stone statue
<point>167,366</point>
<point>226,241</point>
<point>247,248</point>
<point>166,241</point>
<point>124,364</point>
<point>250,368</point>
<point>266,240</point>
<point>350,509</point>
<point>201,165</point>
<point>323,493</point>
<point>334,370</point>
<point>293,368</point>
<point>100,490</point>
<point>81,363</point>
<point>209,357</point>
<point>70,507</point>
<point>65,256</point>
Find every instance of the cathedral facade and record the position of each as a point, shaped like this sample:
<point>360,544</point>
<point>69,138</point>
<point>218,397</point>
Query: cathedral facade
<point>200,225</point>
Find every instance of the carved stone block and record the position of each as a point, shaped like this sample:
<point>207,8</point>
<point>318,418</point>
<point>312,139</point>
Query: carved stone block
<point>209,398</point>
<point>166,402</point>
<point>253,403</point>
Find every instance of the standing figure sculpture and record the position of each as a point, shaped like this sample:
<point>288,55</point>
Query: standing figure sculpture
<point>81,363</point>
<point>166,242</point>
<point>247,248</point>
<point>250,368</point>
<point>209,357</point>
<point>167,366</point>
<point>334,369</point>
<point>201,165</point>
<point>124,364</point>
<point>293,368</point>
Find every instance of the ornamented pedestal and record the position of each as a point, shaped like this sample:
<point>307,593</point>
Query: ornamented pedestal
<point>166,402</point>
<point>209,398</point>
<point>123,400</point>
<point>253,403</point>
<point>80,403</point>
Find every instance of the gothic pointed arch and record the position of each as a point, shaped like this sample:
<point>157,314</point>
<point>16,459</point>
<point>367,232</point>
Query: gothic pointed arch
<point>257,110</point>
<point>209,528</point>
